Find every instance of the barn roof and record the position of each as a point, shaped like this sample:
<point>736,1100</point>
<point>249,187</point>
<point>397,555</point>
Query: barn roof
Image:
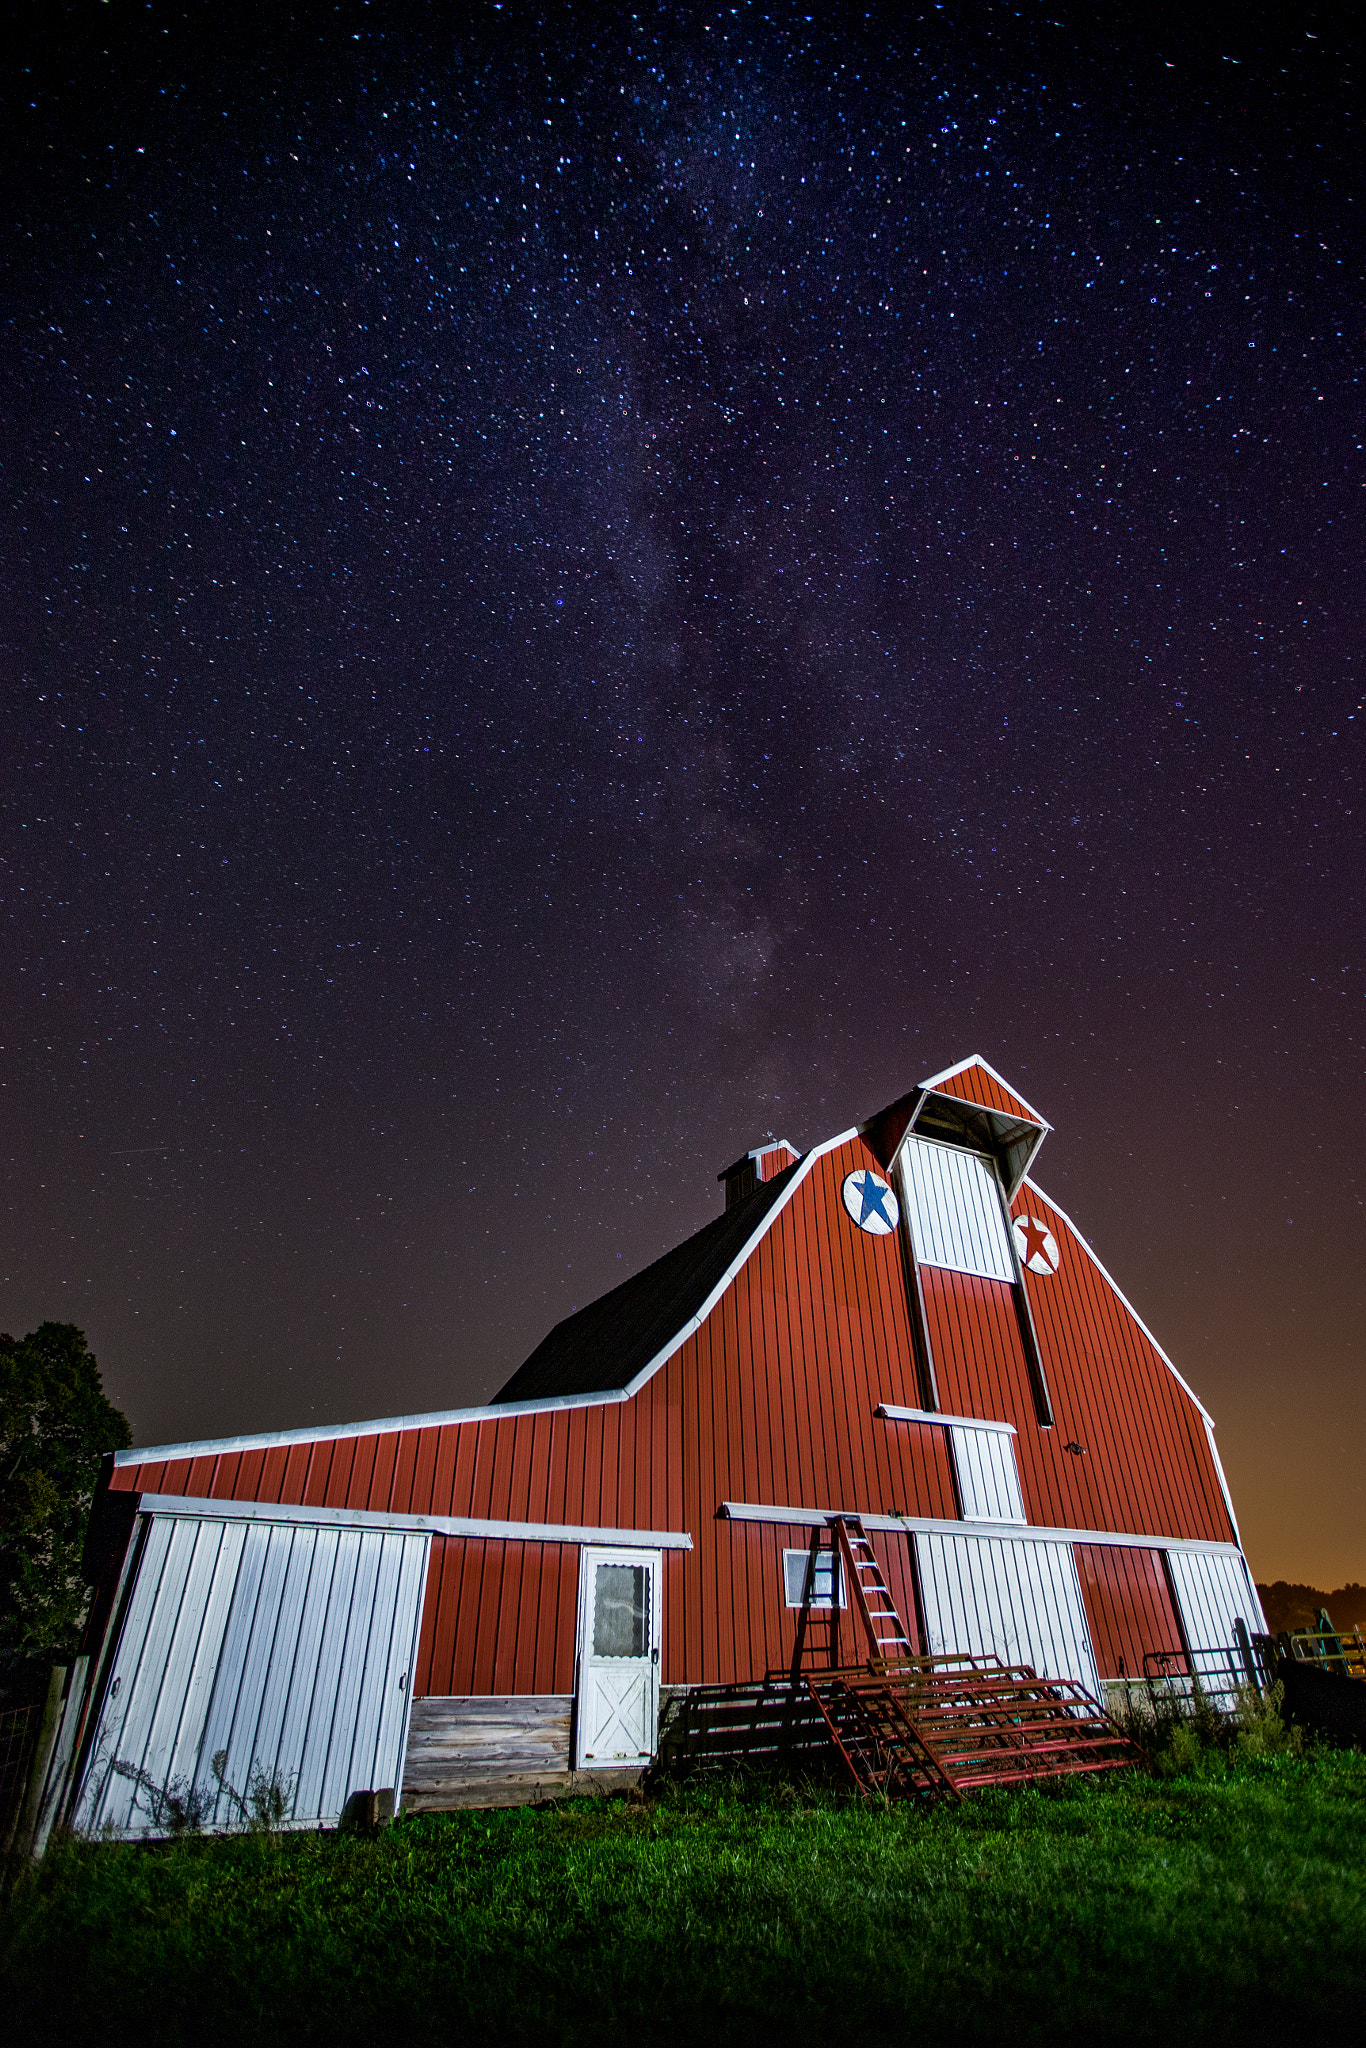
<point>607,1347</point>
<point>604,1347</point>
<point>968,1103</point>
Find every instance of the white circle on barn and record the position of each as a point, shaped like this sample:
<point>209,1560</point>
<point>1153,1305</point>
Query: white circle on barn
<point>1036,1244</point>
<point>870,1202</point>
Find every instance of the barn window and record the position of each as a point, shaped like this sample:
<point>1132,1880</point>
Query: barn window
<point>954,1203</point>
<point>621,1614</point>
<point>988,1478</point>
<point>794,1579</point>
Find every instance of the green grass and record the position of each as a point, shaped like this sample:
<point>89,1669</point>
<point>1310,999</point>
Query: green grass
<point>1224,1906</point>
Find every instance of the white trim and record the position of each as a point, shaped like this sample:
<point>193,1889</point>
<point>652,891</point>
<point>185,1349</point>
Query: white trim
<point>675,1343</point>
<point>974,1059</point>
<point>436,1525</point>
<point>1033,1185</point>
<point>937,1421</point>
<point>1223,1483</point>
<point>390,1425</point>
<point>338,1432</point>
<point>1013,1532</point>
<point>774,1145</point>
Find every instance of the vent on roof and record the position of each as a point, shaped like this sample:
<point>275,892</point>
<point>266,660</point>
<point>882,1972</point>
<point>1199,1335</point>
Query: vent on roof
<point>763,1163</point>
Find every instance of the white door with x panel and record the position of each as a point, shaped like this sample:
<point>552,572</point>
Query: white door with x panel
<point>618,1704</point>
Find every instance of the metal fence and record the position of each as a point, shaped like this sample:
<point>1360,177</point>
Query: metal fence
<point>18,1727</point>
<point>1340,1650</point>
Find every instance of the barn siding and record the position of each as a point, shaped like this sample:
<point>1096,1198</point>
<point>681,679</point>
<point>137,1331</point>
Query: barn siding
<point>1128,1606</point>
<point>1148,1465</point>
<point>975,1084</point>
<point>773,1400</point>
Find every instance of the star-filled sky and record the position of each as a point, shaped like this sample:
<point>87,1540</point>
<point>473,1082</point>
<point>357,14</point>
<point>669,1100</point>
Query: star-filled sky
<point>580,588</point>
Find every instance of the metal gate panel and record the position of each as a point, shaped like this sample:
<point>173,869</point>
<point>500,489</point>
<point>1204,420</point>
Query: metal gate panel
<point>307,1598</point>
<point>129,1706</point>
<point>1213,1590</point>
<point>1019,1601</point>
<point>375,1623</point>
<point>354,1566</point>
<point>197,1644</point>
<point>283,1649</point>
<point>394,1690</point>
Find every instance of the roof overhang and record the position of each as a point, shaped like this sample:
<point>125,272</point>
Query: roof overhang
<point>1012,1141</point>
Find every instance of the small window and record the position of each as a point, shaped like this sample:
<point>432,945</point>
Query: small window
<point>794,1579</point>
<point>621,1621</point>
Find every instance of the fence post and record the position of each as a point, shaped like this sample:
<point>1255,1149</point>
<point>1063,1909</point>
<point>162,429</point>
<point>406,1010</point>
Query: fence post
<point>59,1771</point>
<point>22,1840</point>
<point>1245,1651</point>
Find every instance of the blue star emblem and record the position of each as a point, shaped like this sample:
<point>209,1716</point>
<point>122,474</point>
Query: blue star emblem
<point>870,1202</point>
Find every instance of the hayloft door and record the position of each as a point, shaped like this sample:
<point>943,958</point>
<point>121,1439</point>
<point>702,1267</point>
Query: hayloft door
<point>617,1718</point>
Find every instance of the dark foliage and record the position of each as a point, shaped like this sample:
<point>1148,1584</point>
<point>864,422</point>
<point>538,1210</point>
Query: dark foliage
<point>1288,1605</point>
<point>55,1426</point>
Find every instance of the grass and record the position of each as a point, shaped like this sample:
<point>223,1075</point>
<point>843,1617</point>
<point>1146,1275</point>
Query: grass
<point>1227,1904</point>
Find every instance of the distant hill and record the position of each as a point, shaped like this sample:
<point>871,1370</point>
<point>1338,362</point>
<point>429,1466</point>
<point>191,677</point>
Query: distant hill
<point>1288,1606</point>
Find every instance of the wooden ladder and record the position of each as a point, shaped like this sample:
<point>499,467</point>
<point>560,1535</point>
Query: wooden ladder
<point>853,1562</point>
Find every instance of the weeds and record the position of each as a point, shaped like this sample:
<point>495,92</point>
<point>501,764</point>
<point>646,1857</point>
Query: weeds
<point>269,1798</point>
<point>1182,1734</point>
<point>181,1807</point>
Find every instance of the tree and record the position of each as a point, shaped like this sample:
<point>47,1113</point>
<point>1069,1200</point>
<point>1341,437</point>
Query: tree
<point>55,1427</point>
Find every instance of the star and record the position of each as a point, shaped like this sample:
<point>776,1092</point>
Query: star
<point>874,1194</point>
<point>1036,1240</point>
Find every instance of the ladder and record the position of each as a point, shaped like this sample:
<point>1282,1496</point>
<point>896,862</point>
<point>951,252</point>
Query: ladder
<point>887,1639</point>
<point>853,1562</point>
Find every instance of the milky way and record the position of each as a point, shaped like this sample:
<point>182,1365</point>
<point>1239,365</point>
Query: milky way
<point>576,596</point>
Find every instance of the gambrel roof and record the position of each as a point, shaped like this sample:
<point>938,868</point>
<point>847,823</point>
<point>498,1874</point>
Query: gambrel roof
<point>605,1347</point>
<point>610,1346</point>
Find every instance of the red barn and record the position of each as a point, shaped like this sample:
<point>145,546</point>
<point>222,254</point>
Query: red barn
<point>471,1605</point>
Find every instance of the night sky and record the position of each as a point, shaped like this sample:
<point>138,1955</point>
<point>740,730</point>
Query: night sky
<point>579,589</point>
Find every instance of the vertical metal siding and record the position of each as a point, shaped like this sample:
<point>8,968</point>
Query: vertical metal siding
<point>1212,1591</point>
<point>1145,1465</point>
<point>955,1210</point>
<point>279,1644</point>
<point>975,1084</point>
<point>773,1399</point>
<point>162,1676</point>
<point>1148,1465</point>
<point>1128,1606</point>
<point>1020,1601</point>
<point>988,1479</point>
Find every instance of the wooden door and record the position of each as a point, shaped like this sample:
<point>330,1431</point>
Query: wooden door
<point>617,1717</point>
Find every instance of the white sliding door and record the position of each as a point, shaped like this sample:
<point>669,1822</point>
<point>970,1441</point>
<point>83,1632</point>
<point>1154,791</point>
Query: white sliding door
<point>255,1653</point>
<point>988,1477</point>
<point>1020,1601</point>
<point>953,1201</point>
<point>1213,1591</point>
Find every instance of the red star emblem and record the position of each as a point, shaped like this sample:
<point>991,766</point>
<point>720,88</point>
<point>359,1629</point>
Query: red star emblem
<point>1038,1249</point>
